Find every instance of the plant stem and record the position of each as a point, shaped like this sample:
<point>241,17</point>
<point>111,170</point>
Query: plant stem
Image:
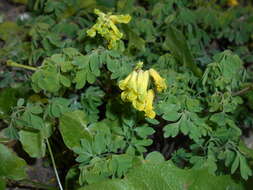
<point>243,91</point>
<point>14,64</point>
<point>54,165</point>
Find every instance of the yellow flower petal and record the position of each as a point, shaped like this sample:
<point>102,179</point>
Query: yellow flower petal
<point>159,81</point>
<point>98,12</point>
<point>120,18</point>
<point>138,105</point>
<point>142,84</point>
<point>131,96</point>
<point>132,84</point>
<point>91,32</point>
<point>123,83</point>
<point>124,95</point>
<point>233,3</point>
<point>149,112</point>
<point>116,31</point>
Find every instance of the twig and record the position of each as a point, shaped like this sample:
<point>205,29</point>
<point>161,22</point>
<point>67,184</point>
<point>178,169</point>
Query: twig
<point>243,91</point>
<point>14,64</point>
<point>54,165</point>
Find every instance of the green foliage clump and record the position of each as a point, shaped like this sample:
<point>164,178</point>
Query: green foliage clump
<point>70,100</point>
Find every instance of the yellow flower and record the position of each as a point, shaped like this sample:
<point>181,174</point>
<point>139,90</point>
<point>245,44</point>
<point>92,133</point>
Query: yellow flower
<point>129,85</point>
<point>131,96</point>
<point>159,81</point>
<point>105,26</point>
<point>142,84</point>
<point>123,83</point>
<point>233,3</point>
<point>124,96</point>
<point>149,110</point>
<point>132,83</point>
<point>120,18</point>
<point>139,105</point>
<point>91,32</point>
<point>135,89</point>
<point>116,31</point>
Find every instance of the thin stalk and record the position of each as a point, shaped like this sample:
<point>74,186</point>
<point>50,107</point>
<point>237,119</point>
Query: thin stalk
<point>54,165</point>
<point>243,91</point>
<point>14,64</point>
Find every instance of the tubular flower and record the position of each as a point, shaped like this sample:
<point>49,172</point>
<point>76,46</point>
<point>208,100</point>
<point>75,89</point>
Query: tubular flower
<point>159,81</point>
<point>232,3</point>
<point>105,26</point>
<point>149,110</point>
<point>135,89</point>
<point>142,83</point>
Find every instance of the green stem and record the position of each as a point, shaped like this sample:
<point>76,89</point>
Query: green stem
<point>14,64</point>
<point>54,165</point>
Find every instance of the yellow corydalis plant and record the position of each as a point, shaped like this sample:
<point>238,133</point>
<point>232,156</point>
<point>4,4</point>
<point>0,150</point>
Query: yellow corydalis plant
<point>106,27</point>
<point>135,89</point>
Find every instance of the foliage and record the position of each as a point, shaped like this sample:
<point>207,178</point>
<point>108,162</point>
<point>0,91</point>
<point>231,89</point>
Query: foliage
<point>166,176</point>
<point>173,77</point>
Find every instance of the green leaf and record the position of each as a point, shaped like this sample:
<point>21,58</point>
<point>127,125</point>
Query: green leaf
<point>171,116</point>
<point>144,131</point>
<point>46,78</point>
<point>176,43</point>
<point>8,100</point>
<point>73,128</point>
<point>65,81</point>
<point>58,106</point>
<point>91,78</point>
<point>185,126</point>
<point>80,79</point>
<point>171,130</point>
<point>36,109</point>
<point>90,100</point>
<point>235,164</point>
<point>94,64</point>
<point>11,166</point>
<point>244,168</point>
<point>33,143</point>
<point>99,143</point>
<point>166,176</point>
<point>155,157</point>
<point>135,42</point>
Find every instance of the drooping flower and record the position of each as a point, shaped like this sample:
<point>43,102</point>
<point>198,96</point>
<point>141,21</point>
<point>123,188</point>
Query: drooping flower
<point>135,89</point>
<point>159,81</point>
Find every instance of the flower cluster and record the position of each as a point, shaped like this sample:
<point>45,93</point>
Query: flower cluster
<point>135,89</point>
<point>105,26</point>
